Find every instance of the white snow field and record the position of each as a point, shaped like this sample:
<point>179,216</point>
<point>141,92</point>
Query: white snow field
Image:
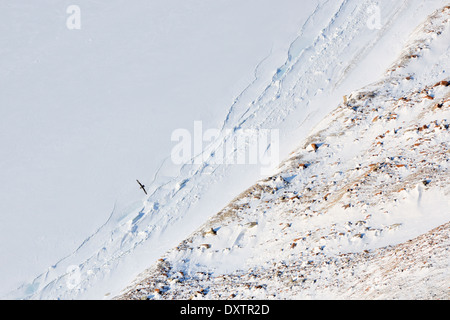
<point>84,113</point>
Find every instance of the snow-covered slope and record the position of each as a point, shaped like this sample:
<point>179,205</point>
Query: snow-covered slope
<point>340,46</point>
<point>349,213</point>
<point>85,112</point>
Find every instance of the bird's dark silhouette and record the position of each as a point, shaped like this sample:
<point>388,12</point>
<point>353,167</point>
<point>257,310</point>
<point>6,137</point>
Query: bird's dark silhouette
<point>142,187</point>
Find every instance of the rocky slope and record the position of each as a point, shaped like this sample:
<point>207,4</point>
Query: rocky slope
<point>349,213</point>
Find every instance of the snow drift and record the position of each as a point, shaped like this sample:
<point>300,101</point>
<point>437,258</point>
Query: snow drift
<point>349,213</point>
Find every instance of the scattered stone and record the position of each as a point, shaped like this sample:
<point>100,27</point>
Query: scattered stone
<point>211,232</point>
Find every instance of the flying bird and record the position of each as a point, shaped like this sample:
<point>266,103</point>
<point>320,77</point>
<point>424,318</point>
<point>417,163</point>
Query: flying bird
<point>142,187</point>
